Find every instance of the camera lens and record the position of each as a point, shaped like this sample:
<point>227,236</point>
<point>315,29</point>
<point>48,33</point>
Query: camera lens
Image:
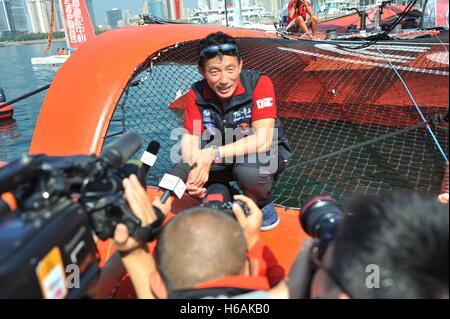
<point>320,218</point>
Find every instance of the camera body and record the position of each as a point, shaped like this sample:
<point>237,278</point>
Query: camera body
<point>47,254</point>
<point>218,196</point>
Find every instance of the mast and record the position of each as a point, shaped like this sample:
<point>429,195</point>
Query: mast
<point>226,13</point>
<point>423,13</point>
<point>52,26</point>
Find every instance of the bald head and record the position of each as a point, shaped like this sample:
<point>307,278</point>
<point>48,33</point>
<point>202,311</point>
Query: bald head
<point>197,245</point>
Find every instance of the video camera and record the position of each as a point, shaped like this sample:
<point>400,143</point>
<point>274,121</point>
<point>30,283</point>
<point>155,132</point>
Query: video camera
<point>60,200</point>
<point>218,196</point>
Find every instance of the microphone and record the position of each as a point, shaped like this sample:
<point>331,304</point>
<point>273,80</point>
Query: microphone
<point>116,154</point>
<point>149,157</point>
<point>175,182</point>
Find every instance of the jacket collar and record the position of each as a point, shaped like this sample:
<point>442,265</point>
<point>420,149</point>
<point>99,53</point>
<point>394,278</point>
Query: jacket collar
<point>242,94</point>
<point>226,286</point>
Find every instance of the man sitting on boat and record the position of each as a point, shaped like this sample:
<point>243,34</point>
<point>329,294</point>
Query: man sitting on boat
<point>297,22</point>
<point>201,252</point>
<point>231,127</point>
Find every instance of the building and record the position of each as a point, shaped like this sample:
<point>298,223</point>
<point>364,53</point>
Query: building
<point>170,9</point>
<point>6,18</point>
<point>192,4</point>
<point>144,9</point>
<point>271,6</point>
<point>126,18</point>
<point>155,8</point>
<point>113,16</point>
<point>20,15</point>
<point>40,15</point>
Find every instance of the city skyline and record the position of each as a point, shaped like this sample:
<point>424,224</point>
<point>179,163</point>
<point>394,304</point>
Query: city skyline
<point>34,15</point>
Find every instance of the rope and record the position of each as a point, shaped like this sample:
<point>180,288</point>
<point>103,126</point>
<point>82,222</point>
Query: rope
<point>351,148</point>
<point>23,97</point>
<point>52,26</point>
<point>445,48</point>
<point>433,136</point>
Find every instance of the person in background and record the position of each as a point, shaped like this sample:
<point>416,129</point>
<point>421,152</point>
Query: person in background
<point>297,21</point>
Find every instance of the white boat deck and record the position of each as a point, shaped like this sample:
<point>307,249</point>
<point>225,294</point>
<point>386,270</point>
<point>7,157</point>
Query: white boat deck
<point>50,60</point>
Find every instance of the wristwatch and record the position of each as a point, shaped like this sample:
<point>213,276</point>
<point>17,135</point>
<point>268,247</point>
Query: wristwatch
<point>217,157</point>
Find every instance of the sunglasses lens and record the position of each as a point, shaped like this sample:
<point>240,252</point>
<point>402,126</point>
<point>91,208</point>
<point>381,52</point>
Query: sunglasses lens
<point>213,50</point>
<point>228,48</point>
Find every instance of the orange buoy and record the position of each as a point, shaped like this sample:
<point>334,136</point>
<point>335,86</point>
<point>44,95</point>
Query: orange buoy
<point>6,112</point>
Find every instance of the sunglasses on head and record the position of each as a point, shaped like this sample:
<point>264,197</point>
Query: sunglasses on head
<point>213,50</point>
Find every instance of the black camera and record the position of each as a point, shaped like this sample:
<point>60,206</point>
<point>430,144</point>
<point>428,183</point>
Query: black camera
<point>320,219</point>
<point>218,196</point>
<point>46,246</point>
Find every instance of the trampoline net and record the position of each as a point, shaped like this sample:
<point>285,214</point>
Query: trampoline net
<point>350,122</point>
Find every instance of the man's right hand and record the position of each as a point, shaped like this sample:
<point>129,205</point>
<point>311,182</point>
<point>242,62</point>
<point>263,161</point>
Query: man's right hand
<point>194,186</point>
<point>195,191</point>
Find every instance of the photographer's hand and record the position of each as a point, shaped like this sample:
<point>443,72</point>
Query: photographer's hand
<point>138,200</point>
<point>166,207</point>
<point>140,205</point>
<point>300,275</point>
<point>250,224</point>
<point>135,256</point>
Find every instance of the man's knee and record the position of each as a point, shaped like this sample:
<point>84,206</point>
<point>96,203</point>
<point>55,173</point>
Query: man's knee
<point>253,182</point>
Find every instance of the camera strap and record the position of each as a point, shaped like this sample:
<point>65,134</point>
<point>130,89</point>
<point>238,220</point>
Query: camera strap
<point>150,232</point>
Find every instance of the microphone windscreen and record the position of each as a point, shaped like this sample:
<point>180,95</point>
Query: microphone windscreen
<point>153,147</point>
<point>181,170</point>
<point>121,150</point>
<point>149,156</point>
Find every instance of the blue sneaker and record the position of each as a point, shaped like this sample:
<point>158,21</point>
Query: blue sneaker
<point>270,217</point>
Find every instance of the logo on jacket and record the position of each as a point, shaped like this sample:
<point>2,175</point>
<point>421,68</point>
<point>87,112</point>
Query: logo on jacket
<point>208,122</point>
<point>244,127</point>
<point>265,102</point>
<point>243,113</point>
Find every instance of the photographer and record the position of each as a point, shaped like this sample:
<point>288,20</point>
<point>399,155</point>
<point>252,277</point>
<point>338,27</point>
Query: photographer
<point>387,246</point>
<point>201,252</point>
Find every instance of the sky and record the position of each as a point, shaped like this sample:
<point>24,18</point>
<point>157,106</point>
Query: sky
<point>101,6</point>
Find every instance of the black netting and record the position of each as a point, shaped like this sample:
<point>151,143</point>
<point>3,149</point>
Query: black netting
<point>347,116</point>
